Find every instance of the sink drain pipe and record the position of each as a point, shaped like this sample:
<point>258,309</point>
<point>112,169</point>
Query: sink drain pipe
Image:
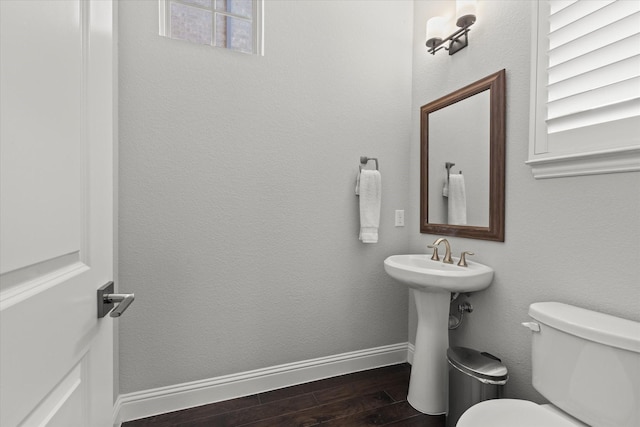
<point>455,322</point>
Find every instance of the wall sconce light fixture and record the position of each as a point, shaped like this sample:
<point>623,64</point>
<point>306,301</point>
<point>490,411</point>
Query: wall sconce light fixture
<point>459,39</point>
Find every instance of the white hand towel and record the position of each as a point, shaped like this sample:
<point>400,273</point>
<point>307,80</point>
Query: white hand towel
<point>457,200</point>
<point>370,199</point>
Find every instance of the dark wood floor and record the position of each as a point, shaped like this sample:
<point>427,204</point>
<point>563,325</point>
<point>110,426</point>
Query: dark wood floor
<point>376,397</point>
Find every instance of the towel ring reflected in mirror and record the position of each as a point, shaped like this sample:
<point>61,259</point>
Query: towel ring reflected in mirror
<point>475,141</point>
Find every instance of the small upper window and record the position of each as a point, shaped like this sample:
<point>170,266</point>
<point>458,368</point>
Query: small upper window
<point>231,24</point>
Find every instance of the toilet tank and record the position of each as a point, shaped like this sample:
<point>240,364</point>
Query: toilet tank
<point>587,363</point>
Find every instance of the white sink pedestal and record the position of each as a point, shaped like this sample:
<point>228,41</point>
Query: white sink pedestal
<point>432,282</point>
<point>428,388</point>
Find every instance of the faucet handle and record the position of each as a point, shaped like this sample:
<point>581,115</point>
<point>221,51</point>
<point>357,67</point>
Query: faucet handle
<point>463,259</point>
<point>435,256</point>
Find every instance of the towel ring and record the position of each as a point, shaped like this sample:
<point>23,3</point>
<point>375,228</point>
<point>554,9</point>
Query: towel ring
<point>364,160</point>
<point>448,166</point>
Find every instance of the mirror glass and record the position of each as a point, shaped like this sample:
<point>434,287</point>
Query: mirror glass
<point>462,161</point>
<point>464,147</point>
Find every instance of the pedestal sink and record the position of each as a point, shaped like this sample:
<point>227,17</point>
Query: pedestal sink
<point>432,283</point>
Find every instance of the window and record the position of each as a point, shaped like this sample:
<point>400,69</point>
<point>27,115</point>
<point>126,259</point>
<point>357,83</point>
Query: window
<point>585,99</point>
<point>231,24</point>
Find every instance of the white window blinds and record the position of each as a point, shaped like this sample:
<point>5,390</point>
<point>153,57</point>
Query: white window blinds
<point>588,81</point>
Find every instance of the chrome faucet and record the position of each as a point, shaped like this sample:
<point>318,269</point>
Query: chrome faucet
<point>447,255</point>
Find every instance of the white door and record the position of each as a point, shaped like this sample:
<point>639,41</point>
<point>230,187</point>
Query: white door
<point>56,211</point>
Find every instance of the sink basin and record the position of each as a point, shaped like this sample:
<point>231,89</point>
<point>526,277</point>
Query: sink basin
<point>420,271</point>
<point>432,283</point>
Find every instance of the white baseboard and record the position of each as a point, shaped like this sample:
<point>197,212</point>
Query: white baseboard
<point>146,403</point>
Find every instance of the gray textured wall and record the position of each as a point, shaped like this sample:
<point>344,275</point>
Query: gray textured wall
<point>238,219</point>
<point>573,240</point>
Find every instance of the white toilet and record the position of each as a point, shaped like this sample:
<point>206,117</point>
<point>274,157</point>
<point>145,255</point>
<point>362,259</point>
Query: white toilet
<point>587,364</point>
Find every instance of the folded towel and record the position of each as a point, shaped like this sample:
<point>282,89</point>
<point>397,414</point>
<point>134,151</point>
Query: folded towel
<point>370,190</point>
<point>457,200</point>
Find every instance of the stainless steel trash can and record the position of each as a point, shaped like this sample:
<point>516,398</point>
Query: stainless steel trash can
<point>474,376</point>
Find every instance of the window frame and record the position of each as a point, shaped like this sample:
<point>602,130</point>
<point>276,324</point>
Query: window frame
<point>599,157</point>
<point>257,22</point>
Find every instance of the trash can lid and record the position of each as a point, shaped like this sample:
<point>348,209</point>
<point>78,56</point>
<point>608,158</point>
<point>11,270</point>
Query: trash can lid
<point>481,365</point>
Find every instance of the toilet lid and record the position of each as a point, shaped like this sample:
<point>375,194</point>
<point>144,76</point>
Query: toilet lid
<point>512,412</point>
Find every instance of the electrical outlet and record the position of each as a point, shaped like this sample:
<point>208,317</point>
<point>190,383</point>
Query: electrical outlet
<point>400,218</point>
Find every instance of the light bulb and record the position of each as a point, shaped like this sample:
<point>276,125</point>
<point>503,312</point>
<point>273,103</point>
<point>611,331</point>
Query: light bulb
<point>465,12</point>
<point>436,27</point>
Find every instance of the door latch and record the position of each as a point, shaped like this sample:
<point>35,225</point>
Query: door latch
<point>107,299</point>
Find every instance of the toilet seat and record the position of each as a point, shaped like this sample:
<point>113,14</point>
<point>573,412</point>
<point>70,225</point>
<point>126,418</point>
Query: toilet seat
<point>513,412</point>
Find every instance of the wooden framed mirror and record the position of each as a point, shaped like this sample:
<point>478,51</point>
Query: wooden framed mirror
<point>463,133</point>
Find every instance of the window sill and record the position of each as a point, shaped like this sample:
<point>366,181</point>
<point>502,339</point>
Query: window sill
<point>594,163</point>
